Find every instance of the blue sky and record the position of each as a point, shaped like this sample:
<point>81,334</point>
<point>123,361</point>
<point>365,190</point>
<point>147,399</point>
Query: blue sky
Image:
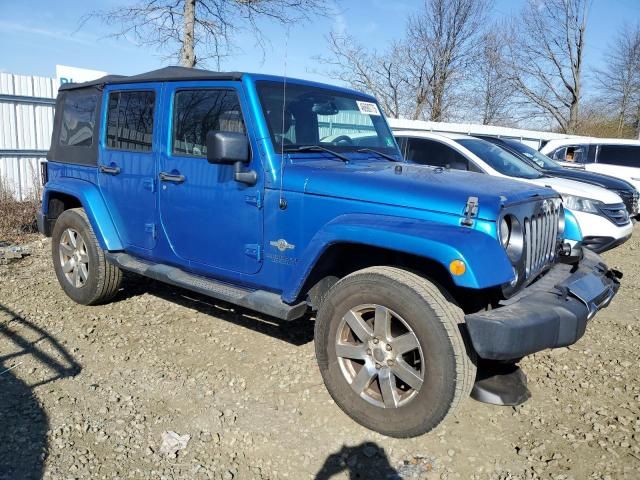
<point>38,34</point>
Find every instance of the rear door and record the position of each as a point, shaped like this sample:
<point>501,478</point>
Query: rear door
<point>210,219</point>
<point>127,163</point>
<point>621,161</point>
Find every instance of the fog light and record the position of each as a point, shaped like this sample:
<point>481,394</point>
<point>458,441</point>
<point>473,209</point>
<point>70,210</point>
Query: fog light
<point>457,267</point>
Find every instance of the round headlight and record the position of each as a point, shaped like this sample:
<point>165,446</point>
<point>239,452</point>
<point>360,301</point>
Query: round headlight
<point>505,231</point>
<point>512,237</point>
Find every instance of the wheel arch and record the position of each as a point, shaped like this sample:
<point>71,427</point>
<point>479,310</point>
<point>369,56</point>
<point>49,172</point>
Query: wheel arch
<point>355,241</point>
<point>75,193</point>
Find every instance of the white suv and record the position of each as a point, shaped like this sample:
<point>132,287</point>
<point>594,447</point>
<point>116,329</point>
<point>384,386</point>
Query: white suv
<point>611,156</point>
<point>601,214</point>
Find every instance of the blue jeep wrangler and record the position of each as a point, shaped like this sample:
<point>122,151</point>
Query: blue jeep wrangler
<point>263,192</point>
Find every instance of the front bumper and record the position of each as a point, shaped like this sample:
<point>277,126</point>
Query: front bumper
<point>599,233</point>
<point>552,312</point>
<point>602,244</point>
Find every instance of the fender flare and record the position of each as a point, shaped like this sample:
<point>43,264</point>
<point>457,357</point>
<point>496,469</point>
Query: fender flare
<point>94,205</point>
<point>486,261</point>
<point>572,229</point>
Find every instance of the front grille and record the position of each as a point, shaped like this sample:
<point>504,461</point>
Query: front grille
<point>616,213</point>
<point>630,199</point>
<point>540,236</point>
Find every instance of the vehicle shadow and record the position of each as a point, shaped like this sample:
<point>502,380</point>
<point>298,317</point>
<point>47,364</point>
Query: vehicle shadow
<point>23,421</point>
<point>367,461</point>
<point>297,332</point>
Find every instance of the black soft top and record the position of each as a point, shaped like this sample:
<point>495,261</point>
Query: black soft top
<point>166,74</point>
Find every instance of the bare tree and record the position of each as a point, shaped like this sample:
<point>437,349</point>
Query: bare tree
<point>377,73</point>
<point>491,91</point>
<point>441,42</point>
<point>416,77</point>
<point>197,30</point>
<point>546,57</point>
<point>619,82</point>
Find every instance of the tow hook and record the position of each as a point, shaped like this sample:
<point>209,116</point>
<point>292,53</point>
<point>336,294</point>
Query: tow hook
<point>565,249</point>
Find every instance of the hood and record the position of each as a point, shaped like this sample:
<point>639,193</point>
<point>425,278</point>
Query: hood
<point>579,189</point>
<point>598,179</point>
<point>411,186</point>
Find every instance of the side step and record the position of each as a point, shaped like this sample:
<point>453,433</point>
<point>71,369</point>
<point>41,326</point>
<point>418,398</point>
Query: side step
<point>259,300</point>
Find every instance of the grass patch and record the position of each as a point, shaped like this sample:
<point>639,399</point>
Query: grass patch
<point>17,218</point>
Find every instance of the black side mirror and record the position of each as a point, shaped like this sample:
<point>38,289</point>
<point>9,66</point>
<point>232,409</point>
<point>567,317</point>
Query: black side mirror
<point>227,147</point>
<point>231,148</point>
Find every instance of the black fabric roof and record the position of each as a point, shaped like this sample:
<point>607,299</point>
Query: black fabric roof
<point>167,74</point>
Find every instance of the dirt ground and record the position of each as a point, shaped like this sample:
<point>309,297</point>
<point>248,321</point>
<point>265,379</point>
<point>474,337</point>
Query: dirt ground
<point>90,391</point>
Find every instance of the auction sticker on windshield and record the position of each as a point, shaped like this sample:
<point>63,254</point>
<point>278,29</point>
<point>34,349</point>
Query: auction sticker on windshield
<point>368,108</point>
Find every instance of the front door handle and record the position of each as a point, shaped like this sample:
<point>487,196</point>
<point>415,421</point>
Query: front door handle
<point>111,169</point>
<point>170,177</point>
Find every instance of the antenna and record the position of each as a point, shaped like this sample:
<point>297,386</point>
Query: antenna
<point>282,202</point>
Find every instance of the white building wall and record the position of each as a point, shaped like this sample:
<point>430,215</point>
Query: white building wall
<point>26,121</point>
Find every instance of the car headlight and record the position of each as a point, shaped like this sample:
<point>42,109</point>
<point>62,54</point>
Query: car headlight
<point>581,204</point>
<point>511,237</point>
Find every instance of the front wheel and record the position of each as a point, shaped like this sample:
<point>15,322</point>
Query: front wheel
<point>391,353</point>
<point>79,262</point>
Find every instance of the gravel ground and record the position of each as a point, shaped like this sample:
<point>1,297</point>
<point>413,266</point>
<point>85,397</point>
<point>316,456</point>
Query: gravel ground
<point>91,390</point>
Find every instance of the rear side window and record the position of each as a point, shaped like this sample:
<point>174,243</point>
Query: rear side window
<point>78,119</point>
<point>130,120</point>
<point>623,155</point>
<point>429,152</point>
<point>196,112</point>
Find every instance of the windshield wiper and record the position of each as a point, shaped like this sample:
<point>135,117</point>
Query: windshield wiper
<point>371,150</point>
<point>317,148</point>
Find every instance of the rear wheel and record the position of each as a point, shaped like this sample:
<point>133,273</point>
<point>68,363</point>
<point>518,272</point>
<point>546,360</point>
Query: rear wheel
<point>79,262</point>
<point>391,352</point>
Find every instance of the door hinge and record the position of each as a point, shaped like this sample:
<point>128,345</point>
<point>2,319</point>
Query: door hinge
<point>254,199</point>
<point>149,184</point>
<point>150,228</point>
<point>253,250</point>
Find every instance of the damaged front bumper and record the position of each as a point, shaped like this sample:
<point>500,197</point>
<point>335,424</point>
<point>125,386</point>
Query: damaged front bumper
<point>552,312</point>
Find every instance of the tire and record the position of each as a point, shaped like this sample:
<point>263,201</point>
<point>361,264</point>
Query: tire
<point>73,244</point>
<point>388,404</point>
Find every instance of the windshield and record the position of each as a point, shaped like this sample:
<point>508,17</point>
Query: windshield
<point>534,155</point>
<point>339,121</point>
<point>499,159</point>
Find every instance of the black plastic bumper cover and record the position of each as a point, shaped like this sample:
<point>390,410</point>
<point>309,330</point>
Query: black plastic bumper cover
<point>602,244</point>
<point>552,312</point>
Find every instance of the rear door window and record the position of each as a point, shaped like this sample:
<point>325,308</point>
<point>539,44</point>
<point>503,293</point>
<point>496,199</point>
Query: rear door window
<point>130,120</point>
<point>622,155</point>
<point>430,152</point>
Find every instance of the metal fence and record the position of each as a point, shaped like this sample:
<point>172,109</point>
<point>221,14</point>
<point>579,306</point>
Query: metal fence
<point>26,119</point>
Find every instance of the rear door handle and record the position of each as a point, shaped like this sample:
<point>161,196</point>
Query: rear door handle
<point>170,177</point>
<point>111,170</point>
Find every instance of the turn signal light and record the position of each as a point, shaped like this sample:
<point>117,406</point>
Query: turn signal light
<point>457,267</point>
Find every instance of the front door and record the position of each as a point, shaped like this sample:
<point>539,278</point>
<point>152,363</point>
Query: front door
<point>210,219</point>
<point>128,163</point>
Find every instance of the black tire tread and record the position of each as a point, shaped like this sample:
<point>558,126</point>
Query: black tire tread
<point>109,277</point>
<point>450,316</point>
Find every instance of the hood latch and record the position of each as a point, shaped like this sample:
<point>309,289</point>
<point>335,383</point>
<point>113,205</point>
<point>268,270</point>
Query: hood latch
<point>470,211</point>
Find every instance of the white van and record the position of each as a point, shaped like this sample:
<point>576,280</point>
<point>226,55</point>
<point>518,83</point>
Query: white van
<point>612,156</point>
<point>601,214</point>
